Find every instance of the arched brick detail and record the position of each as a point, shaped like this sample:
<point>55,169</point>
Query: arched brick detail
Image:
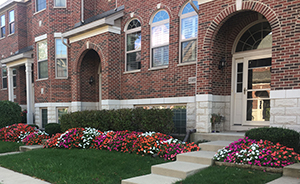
<point>76,67</point>
<point>225,14</point>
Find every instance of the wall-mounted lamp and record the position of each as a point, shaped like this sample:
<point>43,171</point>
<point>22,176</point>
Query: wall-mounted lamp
<point>222,63</point>
<point>91,80</point>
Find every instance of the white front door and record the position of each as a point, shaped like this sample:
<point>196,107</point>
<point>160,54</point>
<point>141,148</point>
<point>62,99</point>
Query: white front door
<point>251,85</point>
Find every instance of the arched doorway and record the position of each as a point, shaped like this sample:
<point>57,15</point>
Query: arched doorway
<point>90,81</point>
<point>251,76</point>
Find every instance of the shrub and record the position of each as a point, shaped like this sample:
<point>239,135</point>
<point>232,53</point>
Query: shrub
<point>10,113</point>
<point>286,137</point>
<point>24,116</point>
<point>33,125</point>
<point>53,128</point>
<point>143,120</point>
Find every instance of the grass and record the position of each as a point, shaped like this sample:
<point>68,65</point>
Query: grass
<point>230,175</point>
<point>79,165</point>
<point>9,146</point>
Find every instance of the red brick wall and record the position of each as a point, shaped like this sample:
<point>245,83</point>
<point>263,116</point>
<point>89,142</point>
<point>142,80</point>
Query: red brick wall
<point>219,24</point>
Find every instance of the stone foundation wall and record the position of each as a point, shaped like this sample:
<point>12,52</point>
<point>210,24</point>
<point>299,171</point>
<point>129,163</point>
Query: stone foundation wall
<point>285,109</point>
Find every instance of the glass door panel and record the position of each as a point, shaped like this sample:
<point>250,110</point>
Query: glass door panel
<point>258,92</point>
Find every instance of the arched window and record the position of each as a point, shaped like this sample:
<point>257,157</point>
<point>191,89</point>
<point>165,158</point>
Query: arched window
<point>160,39</point>
<point>258,36</point>
<point>188,33</point>
<point>133,45</point>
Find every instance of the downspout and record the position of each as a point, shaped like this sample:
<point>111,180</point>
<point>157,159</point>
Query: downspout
<point>63,41</point>
<point>194,7</point>
<point>82,9</point>
<point>116,5</point>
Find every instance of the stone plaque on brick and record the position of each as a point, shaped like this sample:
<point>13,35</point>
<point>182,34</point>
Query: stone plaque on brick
<point>192,80</point>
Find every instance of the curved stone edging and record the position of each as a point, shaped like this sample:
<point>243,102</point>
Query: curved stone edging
<point>246,166</point>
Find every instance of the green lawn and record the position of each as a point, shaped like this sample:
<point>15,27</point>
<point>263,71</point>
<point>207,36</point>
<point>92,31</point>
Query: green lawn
<point>230,175</point>
<point>79,165</point>
<point>9,146</point>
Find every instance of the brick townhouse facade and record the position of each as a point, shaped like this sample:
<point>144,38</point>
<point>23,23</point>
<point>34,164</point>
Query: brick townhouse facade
<point>236,58</point>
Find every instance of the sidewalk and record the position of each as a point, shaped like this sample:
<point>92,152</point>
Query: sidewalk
<point>11,177</point>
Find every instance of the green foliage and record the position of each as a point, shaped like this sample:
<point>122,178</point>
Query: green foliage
<point>10,113</point>
<point>139,119</point>
<point>33,125</point>
<point>53,128</point>
<point>286,137</point>
<point>24,116</point>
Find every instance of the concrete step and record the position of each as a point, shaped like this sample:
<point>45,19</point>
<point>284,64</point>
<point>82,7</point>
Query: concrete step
<point>286,180</point>
<point>177,169</point>
<point>150,179</point>
<point>198,157</point>
<point>224,136</point>
<point>292,170</point>
<point>30,147</point>
<point>214,145</point>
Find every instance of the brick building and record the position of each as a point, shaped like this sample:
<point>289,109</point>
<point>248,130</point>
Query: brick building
<point>236,58</point>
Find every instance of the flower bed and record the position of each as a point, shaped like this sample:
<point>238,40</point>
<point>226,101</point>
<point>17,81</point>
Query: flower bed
<point>22,133</point>
<point>259,153</point>
<point>150,143</point>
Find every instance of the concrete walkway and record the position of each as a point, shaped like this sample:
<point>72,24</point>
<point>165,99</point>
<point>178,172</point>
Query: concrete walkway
<point>11,177</point>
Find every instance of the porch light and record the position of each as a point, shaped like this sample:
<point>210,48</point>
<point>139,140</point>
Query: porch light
<point>91,80</point>
<point>222,63</point>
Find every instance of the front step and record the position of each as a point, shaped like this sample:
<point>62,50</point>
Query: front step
<point>214,145</point>
<point>29,148</point>
<point>224,136</point>
<point>292,170</point>
<point>177,169</point>
<point>150,179</point>
<point>198,157</point>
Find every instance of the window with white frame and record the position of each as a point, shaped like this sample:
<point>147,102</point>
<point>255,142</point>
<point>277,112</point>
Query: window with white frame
<point>11,22</point>
<point>188,33</point>
<point>40,5</point>
<point>42,57</point>
<point>2,23</point>
<point>60,3</point>
<point>4,78</point>
<point>133,45</point>
<point>60,112</point>
<point>160,39</point>
<point>61,59</point>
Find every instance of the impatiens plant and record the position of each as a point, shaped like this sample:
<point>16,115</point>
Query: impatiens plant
<point>260,153</point>
<point>23,133</point>
<point>149,143</point>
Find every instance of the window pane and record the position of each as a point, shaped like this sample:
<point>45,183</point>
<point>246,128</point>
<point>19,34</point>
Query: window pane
<point>42,51</point>
<point>61,49</point>
<point>133,61</point>
<point>188,8</point>
<point>61,112</point>
<point>160,35</point>
<point>61,66</point>
<point>2,31</point>
<point>162,15</point>
<point>134,41</point>
<point>43,69</point>
<point>4,72</point>
<point>40,5</point>
<point>2,20</point>
<point>189,27</point>
<point>11,28</point>
<point>14,81</point>
<point>134,24</point>
<point>188,52</point>
<point>44,117</point>
<point>4,82</point>
<point>160,56</point>
<point>12,16</point>
<point>60,3</point>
